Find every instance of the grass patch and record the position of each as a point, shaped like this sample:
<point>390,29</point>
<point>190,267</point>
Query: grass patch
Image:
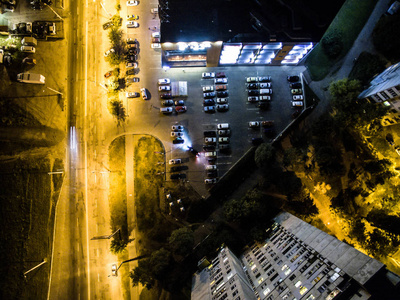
<point>358,12</point>
<point>28,197</point>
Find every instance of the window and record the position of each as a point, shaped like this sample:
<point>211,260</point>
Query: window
<point>303,290</point>
<point>298,283</point>
<point>235,292</point>
<point>267,290</point>
<point>291,278</point>
<point>233,286</point>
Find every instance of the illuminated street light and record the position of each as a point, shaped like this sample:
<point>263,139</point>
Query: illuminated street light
<point>42,263</point>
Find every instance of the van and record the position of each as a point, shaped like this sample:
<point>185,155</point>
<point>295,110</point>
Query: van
<point>29,49</point>
<point>265,91</point>
<point>223,126</point>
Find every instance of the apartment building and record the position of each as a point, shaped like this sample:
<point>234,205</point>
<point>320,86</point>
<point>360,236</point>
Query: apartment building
<point>297,261</point>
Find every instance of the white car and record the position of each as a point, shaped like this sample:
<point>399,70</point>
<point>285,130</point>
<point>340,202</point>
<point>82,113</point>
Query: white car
<point>223,140</point>
<point>131,64</point>
<point>132,24</point>
<point>132,3</point>
<point>207,75</point>
<point>221,80</point>
<point>176,134</point>
<point>108,52</point>
<point>264,85</point>
<point>164,88</point>
<point>175,161</point>
<point>155,45</point>
<point>223,126</point>
<point>210,140</point>
<point>164,81</point>
<point>208,88</point>
<point>210,154</point>
<point>144,93</point>
<point>177,127</point>
<point>52,29</point>
<point>28,49</point>
<point>297,103</point>
<point>166,110</point>
<point>297,97</point>
<point>252,79</point>
<point>265,98</point>
<point>155,34</point>
<point>132,95</point>
<point>114,270</point>
<point>254,124</point>
<point>222,100</point>
<point>210,180</point>
<point>211,167</point>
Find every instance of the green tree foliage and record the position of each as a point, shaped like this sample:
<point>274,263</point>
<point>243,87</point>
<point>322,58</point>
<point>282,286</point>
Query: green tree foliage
<point>332,44</point>
<point>264,155</point>
<point>289,184</point>
<point>116,108</point>
<point>366,66</point>
<point>181,241</point>
<point>329,160</point>
<point>118,245</point>
<point>345,203</point>
<point>357,230</point>
<point>114,58</point>
<point>116,20</point>
<point>381,219</point>
<point>383,35</point>
<point>381,244</point>
<point>151,269</point>
<point>302,204</point>
<point>115,36</point>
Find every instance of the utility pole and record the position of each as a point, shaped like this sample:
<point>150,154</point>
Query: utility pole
<point>42,263</point>
<point>58,16</point>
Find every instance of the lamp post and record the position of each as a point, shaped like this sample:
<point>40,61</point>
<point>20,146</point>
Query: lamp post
<point>58,16</point>
<point>35,267</point>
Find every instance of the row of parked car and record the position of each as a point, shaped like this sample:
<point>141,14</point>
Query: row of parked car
<point>164,85</point>
<point>296,89</point>
<point>259,90</point>
<point>219,90</point>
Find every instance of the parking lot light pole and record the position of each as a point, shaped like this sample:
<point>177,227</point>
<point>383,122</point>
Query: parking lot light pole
<point>102,5</point>
<point>55,91</point>
<point>35,267</point>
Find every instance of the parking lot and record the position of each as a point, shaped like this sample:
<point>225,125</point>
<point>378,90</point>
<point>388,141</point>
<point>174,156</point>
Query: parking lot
<point>240,113</point>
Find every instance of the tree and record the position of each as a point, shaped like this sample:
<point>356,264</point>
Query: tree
<point>181,241</point>
<point>160,261</point>
<point>332,44</point>
<point>116,108</point>
<point>115,36</point>
<point>264,155</point>
<point>382,37</point>
<point>142,274</point>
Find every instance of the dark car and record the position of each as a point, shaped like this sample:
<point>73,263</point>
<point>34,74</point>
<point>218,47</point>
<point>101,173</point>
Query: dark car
<point>263,105</point>
<point>224,148</point>
<point>131,41</point>
<point>222,94</point>
<point>209,109</point>
<point>220,74</point>
<point>166,96</point>
<point>253,92</point>
<point>179,168</point>
<point>107,25</point>
<point>178,140</point>
<point>210,133</point>
<point>222,107</point>
<point>293,78</point>
<point>209,95</point>
<point>208,147</point>
<point>296,85</point>
<point>193,151</point>
<point>208,102</point>
<point>132,51</point>
<point>178,176</point>
<point>130,72</point>
<point>264,78</point>
<point>180,109</point>
<point>252,86</point>
<point>131,57</point>
<point>257,141</point>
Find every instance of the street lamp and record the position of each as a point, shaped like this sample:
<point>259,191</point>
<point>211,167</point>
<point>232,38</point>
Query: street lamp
<point>53,11</point>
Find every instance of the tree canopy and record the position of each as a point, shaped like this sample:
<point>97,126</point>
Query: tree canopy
<point>181,241</point>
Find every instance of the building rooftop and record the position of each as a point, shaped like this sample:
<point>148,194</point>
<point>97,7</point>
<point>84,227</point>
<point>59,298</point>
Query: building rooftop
<point>245,21</point>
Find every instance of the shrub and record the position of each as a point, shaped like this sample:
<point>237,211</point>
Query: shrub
<point>332,44</point>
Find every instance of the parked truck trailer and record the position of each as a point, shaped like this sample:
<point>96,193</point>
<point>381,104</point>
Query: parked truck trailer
<point>31,78</point>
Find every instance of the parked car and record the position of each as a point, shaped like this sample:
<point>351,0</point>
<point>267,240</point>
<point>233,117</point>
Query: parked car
<point>293,78</point>
<point>108,52</point>
<point>178,140</point>
<point>264,85</point>
<point>265,98</point>
<point>251,79</point>
<point>28,49</point>
<point>178,176</point>
<point>223,126</point>
<point>224,140</point>
<point>222,94</point>
<point>263,105</point>
<point>265,92</point>
<point>108,74</point>
<point>164,81</point>
<point>132,3</point>
<point>132,17</point>
<point>209,95</point>
<point>208,102</point>
<point>209,109</point>
<point>208,147</point>
<point>206,75</point>
<point>177,127</point>
<point>210,133</point>
<point>131,41</point>
<point>210,180</point>
<point>166,110</point>
<point>114,270</point>
<point>210,140</point>
<point>224,132</point>
<point>210,154</point>
<point>132,79</point>
<point>222,107</point>
<point>176,134</point>
<point>29,61</point>
<point>296,91</point>
<point>144,93</point>
<point>168,102</point>
<point>212,173</point>
<point>254,124</point>
<point>193,151</point>
<point>132,24</point>
<point>220,74</point>
<point>221,87</point>
<point>252,86</point>
<point>222,100</point>
<point>179,102</point>
<point>267,123</point>
<point>166,96</point>
<point>220,80</point>
<point>180,109</point>
<point>178,168</point>
<point>297,97</point>
<point>132,95</point>
<point>253,92</point>
<point>132,58</point>
<point>252,98</point>
<point>107,25</point>
<point>297,103</point>
<point>296,85</point>
<point>162,88</point>
<point>224,147</point>
<point>155,45</point>
<point>208,88</point>
<point>264,78</point>
<point>131,64</point>
<point>175,161</point>
<point>130,72</point>
<point>211,167</point>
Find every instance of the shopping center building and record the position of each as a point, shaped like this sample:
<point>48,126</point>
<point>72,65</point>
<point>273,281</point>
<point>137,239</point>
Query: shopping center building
<point>232,32</point>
